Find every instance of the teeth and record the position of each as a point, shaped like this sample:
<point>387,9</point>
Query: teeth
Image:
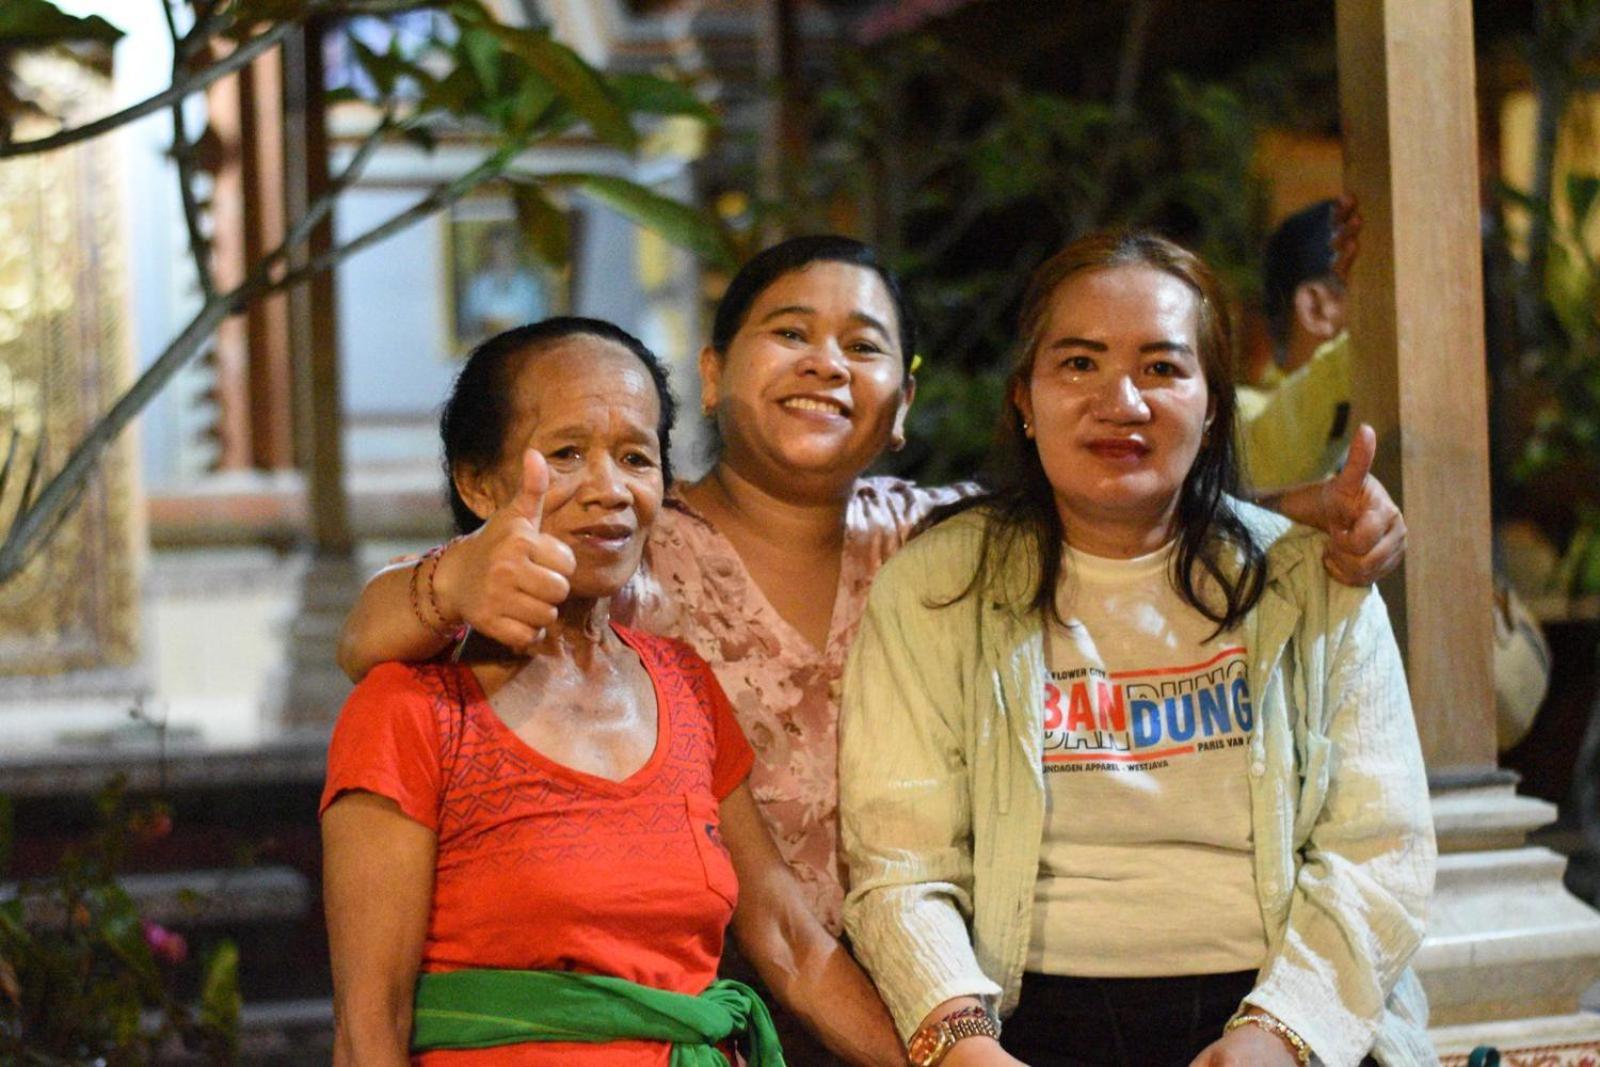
<point>803,403</point>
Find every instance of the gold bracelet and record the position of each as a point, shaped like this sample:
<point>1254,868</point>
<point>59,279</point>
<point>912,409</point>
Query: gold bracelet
<point>1302,1051</point>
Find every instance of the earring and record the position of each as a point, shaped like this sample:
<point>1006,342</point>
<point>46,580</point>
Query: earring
<point>897,441</point>
<point>1027,428</point>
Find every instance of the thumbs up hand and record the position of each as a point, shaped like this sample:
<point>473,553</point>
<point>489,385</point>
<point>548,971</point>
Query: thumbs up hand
<point>1366,532</point>
<point>507,578</point>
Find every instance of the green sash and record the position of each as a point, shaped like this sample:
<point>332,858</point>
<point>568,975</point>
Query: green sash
<point>485,1008</point>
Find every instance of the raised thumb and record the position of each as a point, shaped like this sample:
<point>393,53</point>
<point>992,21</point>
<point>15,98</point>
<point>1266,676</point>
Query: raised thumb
<point>529,501</point>
<point>1358,462</point>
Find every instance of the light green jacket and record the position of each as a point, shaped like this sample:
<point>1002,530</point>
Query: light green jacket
<point>942,793</point>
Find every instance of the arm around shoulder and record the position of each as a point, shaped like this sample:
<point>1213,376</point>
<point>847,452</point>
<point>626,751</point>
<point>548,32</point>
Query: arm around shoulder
<point>382,625</point>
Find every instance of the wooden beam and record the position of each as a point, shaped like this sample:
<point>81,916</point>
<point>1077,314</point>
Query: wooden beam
<point>1409,109</point>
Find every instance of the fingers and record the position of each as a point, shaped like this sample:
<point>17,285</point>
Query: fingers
<point>1362,536</point>
<point>529,501</point>
<point>553,554</point>
<point>1348,566</point>
<point>514,635</point>
<point>1351,479</point>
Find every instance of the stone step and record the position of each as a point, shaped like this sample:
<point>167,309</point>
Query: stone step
<point>202,898</point>
<point>286,1032</point>
<point>274,1033</point>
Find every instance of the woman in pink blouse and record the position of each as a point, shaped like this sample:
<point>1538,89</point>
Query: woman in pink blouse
<point>762,566</point>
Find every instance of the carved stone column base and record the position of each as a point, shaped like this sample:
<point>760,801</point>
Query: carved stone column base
<point>309,692</point>
<point>1507,944</point>
<point>1551,1041</point>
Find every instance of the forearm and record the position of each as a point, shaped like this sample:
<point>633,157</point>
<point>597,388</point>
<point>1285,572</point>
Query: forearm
<point>1301,503</point>
<point>819,982</point>
<point>375,1037</point>
<point>382,626</point>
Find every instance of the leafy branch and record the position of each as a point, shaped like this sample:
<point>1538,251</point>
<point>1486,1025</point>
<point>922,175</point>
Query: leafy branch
<point>515,86</point>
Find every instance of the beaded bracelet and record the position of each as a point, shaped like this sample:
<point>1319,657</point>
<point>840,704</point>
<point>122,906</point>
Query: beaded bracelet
<point>1302,1051</point>
<point>430,560</point>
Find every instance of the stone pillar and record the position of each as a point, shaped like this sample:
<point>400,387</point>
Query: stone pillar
<point>311,688</point>
<point>1509,950</point>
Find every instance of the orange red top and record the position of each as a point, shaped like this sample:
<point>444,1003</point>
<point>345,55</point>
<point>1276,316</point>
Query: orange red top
<point>543,867</point>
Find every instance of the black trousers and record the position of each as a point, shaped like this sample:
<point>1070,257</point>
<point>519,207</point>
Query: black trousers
<point>1121,1022</point>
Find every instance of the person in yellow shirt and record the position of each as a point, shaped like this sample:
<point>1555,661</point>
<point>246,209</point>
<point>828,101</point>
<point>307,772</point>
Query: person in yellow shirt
<point>1298,428</point>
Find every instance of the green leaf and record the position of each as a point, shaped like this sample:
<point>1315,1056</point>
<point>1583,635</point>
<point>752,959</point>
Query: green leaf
<point>647,94</point>
<point>546,227</point>
<point>468,12</point>
<point>453,93</point>
<point>41,22</point>
<point>531,104</point>
<point>381,69</point>
<point>482,53</point>
<point>580,84</point>
<point>1517,197</point>
<point>1581,192</point>
<point>677,222</point>
<point>219,988</point>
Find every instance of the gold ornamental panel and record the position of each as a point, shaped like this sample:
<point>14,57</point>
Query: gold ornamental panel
<point>63,361</point>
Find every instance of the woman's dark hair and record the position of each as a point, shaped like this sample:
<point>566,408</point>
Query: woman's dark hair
<point>477,416</point>
<point>1022,502</point>
<point>795,254</point>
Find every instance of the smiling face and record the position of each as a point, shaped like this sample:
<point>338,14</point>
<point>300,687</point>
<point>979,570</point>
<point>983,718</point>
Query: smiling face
<point>811,387</point>
<point>591,408</point>
<point>1117,404</point>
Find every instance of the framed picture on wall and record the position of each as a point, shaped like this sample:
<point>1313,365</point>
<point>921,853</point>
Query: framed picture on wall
<point>493,278</point>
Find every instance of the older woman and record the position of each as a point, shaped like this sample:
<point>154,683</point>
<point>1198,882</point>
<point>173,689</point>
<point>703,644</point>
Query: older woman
<point>1118,758</point>
<point>543,847</point>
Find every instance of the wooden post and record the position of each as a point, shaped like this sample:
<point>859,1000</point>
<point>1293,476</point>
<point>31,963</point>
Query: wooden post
<point>313,314</point>
<point>271,379</point>
<point>1408,101</point>
<point>231,355</point>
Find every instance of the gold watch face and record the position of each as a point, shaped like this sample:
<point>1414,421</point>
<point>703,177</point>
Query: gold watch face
<point>929,1045</point>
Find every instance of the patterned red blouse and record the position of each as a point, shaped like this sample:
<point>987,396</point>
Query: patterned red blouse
<point>543,867</point>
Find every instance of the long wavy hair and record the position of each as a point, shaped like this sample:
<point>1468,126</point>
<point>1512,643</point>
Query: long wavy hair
<point>1021,502</point>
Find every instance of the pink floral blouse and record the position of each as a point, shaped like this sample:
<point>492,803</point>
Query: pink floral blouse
<point>784,691</point>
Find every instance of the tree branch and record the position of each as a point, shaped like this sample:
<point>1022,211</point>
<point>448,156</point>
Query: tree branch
<point>32,526</point>
<point>442,196</point>
<point>318,209</point>
<point>239,59</point>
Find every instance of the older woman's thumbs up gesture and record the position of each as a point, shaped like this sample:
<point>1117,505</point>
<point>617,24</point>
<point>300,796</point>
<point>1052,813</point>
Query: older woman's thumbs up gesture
<point>507,578</point>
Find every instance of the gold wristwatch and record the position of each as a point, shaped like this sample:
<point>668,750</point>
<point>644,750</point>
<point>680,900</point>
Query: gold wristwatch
<point>933,1041</point>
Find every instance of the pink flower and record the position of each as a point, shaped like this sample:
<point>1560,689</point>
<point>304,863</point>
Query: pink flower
<point>164,944</point>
